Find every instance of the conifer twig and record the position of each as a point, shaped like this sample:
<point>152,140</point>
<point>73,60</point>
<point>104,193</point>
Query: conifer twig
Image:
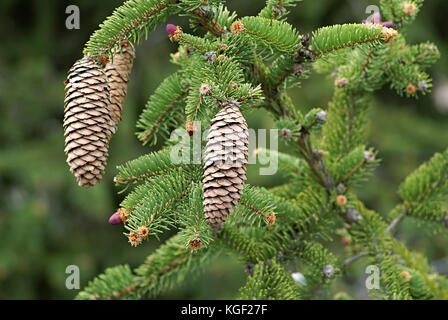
<point>146,135</point>
<point>209,24</point>
<point>353,171</point>
<point>362,254</point>
<point>396,221</point>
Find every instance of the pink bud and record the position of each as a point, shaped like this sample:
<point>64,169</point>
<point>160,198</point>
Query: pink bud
<point>115,219</point>
<point>170,28</point>
<point>376,18</point>
<point>388,24</point>
<point>345,241</point>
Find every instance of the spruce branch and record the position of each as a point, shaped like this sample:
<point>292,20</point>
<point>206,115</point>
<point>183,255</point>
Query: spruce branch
<point>252,66</point>
<point>193,42</point>
<point>328,39</point>
<point>390,229</point>
<point>115,283</point>
<point>239,240</point>
<point>393,225</point>
<point>269,281</point>
<point>131,21</point>
<point>269,33</point>
<point>146,168</point>
<point>154,210</point>
<point>400,12</point>
<point>210,23</point>
<point>158,272</point>
<point>162,112</point>
<point>165,267</point>
<point>277,9</point>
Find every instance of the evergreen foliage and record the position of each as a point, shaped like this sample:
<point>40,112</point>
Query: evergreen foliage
<point>253,60</point>
<point>163,112</point>
<point>269,281</point>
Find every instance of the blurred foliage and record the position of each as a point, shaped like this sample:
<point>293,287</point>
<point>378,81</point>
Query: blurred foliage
<point>47,222</point>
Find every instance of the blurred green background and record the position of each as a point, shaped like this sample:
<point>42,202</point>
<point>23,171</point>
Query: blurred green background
<point>47,222</point>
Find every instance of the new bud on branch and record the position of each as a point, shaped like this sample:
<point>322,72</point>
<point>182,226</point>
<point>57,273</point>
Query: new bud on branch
<point>174,32</point>
<point>170,29</point>
<point>119,217</point>
<point>376,18</point>
<point>115,219</point>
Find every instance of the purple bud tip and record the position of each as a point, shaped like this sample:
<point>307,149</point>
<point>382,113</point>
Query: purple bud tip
<point>170,28</point>
<point>115,219</point>
<point>376,18</point>
<point>388,24</point>
<point>364,21</point>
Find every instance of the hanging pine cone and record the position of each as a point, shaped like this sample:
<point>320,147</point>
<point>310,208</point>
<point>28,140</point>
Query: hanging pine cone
<point>87,121</point>
<point>118,72</point>
<point>225,162</point>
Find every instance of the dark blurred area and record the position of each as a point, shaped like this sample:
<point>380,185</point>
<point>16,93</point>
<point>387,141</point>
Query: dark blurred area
<point>47,222</point>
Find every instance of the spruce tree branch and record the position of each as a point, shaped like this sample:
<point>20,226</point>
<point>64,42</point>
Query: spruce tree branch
<point>372,228</point>
<point>271,93</point>
<point>120,294</point>
<point>252,208</point>
<point>139,284</point>
<point>352,259</point>
<point>285,75</point>
<point>273,42</point>
<point>146,135</point>
<point>350,123</point>
<point>346,45</point>
<point>307,154</point>
<point>314,289</point>
<point>171,201</point>
<point>167,268</point>
<point>168,203</point>
<point>196,109</point>
<point>354,171</point>
<point>435,186</point>
<point>392,9</point>
<point>209,24</point>
<point>396,222</point>
<point>399,22</point>
<point>130,26</point>
<point>120,180</point>
<point>194,45</point>
<point>390,229</point>
<point>368,60</point>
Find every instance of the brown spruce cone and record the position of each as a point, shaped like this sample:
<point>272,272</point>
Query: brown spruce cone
<point>225,162</point>
<point>118,72</point>
<point>87,121</point>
